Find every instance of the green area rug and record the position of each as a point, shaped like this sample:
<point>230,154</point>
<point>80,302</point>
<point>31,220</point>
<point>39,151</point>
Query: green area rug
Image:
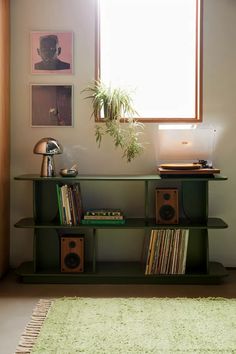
<point>131,325</point>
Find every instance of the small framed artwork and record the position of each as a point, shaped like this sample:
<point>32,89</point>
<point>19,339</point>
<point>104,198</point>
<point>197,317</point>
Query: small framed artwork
<point>51,105</point>
<point>51,52</point>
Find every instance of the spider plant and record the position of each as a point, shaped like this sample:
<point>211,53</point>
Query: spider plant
<point>114,104</point>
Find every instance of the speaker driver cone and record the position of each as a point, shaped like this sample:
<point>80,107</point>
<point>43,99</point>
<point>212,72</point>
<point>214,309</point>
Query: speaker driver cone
<point>72,260</point>
<point>167,212</point>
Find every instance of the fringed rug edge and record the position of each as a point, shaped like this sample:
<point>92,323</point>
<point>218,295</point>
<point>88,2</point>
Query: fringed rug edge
<point>32,330</point>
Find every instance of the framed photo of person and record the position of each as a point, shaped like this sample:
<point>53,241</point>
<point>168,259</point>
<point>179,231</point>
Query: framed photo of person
<point>51,52</point>
<point>51,105</point>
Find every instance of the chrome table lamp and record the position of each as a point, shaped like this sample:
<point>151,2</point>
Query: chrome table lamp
<point>48,147</point>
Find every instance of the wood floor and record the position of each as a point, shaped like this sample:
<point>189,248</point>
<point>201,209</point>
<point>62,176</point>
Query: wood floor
<point>17,300</point>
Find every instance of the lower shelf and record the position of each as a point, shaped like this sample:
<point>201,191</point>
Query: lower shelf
<point>119,273</point>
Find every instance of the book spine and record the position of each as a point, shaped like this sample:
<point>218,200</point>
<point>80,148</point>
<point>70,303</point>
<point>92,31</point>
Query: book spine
<point>103,217</point>
<point>152,251</point>
<point>71,205</point>
<point>157,252</point>
<point>78,200</point>
<point>63,201</point>
<point>59,202</point>
<point>66,204</point>
<point>103,212</point>
<point>75,205</point>
<point>185,249</point>
<point>149,252</point>
<point>170,251</point>
<point>102,222</point>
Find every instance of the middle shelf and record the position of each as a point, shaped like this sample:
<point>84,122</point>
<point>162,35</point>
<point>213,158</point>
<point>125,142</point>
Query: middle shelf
<point>134,223</point>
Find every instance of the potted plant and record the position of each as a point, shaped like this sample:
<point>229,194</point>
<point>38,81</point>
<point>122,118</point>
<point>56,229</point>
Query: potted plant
<point>115,105</point>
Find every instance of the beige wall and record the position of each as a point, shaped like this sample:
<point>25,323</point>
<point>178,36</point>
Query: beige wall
<point>78,141</point>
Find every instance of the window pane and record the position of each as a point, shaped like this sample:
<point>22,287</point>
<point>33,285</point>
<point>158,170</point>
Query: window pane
<point>149,47</point>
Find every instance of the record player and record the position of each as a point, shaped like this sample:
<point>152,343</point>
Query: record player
<point>196,168</point>
<point>186,152</point>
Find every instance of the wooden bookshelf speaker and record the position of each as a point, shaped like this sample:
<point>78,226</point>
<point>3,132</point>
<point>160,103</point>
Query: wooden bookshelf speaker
<point>167,211</point>
<point>72,254</point>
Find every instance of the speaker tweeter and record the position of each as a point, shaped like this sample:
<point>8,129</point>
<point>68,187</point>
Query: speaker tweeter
<point>167,211</point>
<point>72,254</point>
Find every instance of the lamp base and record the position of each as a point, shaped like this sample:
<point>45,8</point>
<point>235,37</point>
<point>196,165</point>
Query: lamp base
<point>48,167</point>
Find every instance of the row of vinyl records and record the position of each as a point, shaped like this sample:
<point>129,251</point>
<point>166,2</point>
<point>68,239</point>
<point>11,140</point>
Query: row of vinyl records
<point>69,204</point>
<point>167,251</point>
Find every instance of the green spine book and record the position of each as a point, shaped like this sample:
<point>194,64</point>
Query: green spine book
<point>59,203</point>
<point>102,222</point>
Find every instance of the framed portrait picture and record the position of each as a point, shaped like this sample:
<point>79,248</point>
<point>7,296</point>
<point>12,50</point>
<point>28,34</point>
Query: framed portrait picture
<point>51,105</point>
<point>51,52</point>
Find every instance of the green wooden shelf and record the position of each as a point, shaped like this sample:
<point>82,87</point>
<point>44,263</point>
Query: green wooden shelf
<point>134,223</point>
<point>33,177</point>
<point>119,273</point>
<point>193,212</point>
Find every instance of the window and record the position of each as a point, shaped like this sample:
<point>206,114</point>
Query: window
<point>152,48</point>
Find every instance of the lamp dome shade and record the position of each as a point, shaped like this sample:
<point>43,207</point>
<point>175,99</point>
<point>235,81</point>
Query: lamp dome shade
<point>48,146</point>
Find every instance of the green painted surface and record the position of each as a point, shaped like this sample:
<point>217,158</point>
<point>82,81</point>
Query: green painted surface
<point>212,223</point>
<point>32,177</point>
<point>119,273</point>
<point>193,197</point>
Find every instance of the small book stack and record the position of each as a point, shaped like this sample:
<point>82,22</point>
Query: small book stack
<point>167,251</point>
<point>69,204</point>
<point>103,216</point>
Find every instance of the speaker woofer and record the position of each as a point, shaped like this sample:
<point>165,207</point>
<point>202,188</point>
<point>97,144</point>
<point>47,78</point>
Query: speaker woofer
<point>72,260</point>
<point>167,212</point>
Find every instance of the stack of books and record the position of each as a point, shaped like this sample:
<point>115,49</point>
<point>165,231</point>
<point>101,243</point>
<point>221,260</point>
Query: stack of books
<point>103,216</point>
<point>167,251</point>
<point>69,204</point>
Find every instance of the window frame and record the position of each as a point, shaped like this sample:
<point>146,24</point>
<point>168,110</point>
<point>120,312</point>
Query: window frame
<point>198,70</point>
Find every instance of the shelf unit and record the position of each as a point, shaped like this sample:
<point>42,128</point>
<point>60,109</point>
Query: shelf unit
<point>45,267</point>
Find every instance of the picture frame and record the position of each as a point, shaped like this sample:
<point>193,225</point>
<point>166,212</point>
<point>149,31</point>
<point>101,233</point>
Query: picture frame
<point>51,52</point>
<point>51,105</point>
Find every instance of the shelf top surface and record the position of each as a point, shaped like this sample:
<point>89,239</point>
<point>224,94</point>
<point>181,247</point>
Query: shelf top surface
<point>212,223</point>
<point>153,177</point>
